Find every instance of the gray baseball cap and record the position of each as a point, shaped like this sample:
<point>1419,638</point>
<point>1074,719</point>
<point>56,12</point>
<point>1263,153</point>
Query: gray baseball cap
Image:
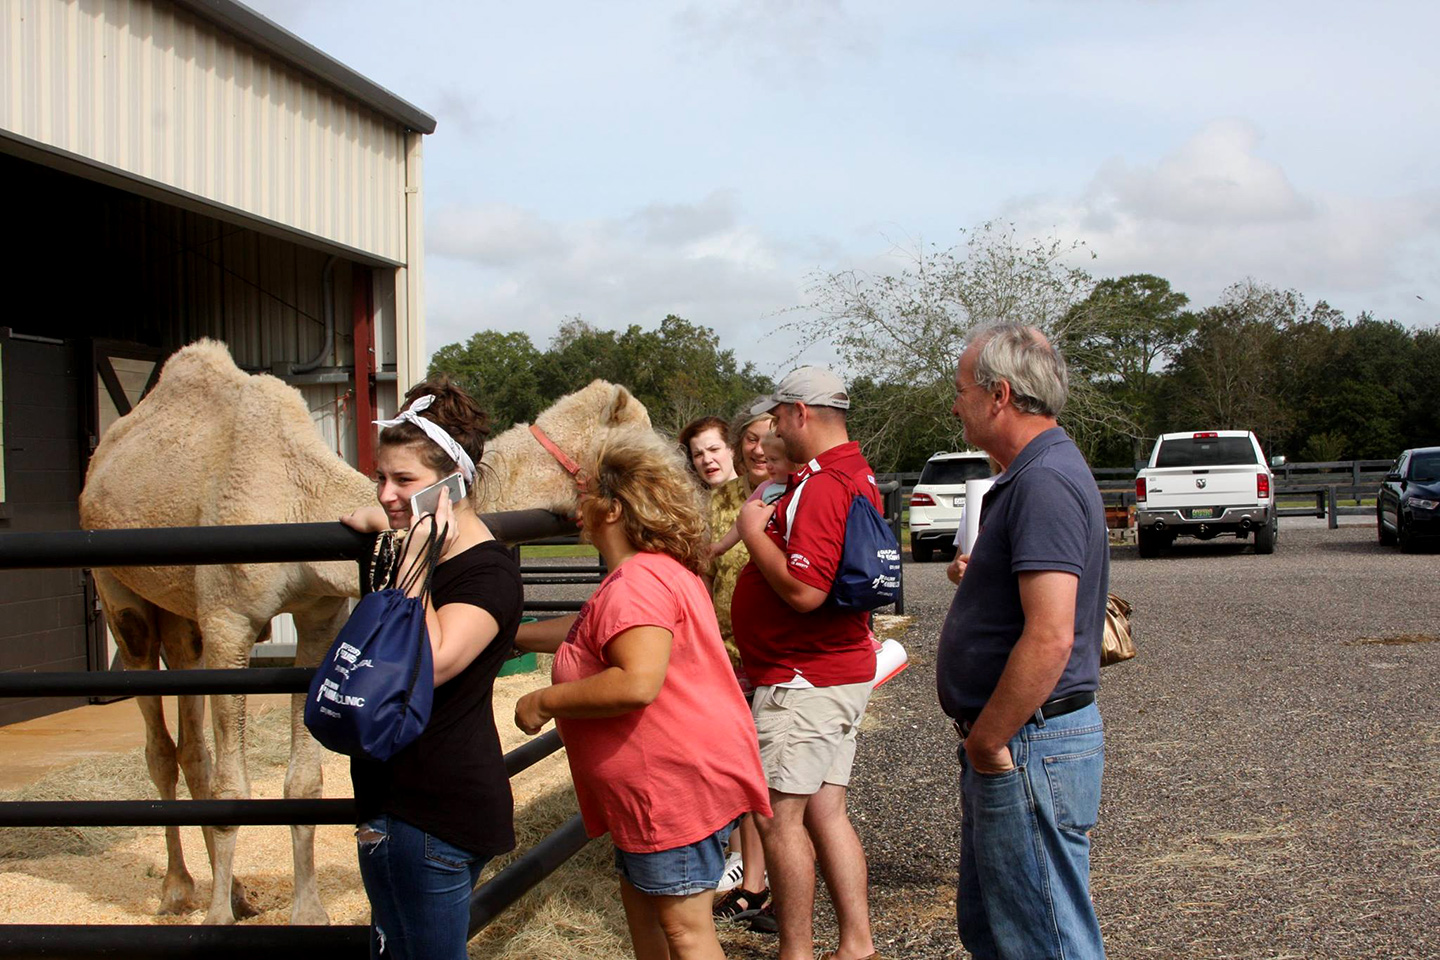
<point>812,386</point>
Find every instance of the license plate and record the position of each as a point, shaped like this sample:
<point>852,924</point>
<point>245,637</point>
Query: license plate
<point>1202,513</point>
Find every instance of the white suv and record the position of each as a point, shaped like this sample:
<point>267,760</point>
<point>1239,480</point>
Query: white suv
<point>938,501</point>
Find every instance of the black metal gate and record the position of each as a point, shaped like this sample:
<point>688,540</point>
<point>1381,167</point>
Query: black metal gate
<point>58,552</point>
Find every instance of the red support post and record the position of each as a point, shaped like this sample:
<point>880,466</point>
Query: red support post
<point>363,312</point>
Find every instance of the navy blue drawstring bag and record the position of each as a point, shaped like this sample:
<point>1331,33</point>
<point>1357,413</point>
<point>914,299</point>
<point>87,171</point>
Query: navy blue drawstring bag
<point>869,573</point>
<point>372,694</point>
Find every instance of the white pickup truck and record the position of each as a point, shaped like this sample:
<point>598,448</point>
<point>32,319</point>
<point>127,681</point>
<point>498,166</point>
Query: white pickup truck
<point>1204,485</point>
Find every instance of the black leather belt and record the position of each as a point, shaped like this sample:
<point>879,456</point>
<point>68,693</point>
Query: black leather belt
<point>1050,708</point>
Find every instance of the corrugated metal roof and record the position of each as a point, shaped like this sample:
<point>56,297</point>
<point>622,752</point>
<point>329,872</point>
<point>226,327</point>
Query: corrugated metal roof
<point>152,92</point>
<point>259,30</point>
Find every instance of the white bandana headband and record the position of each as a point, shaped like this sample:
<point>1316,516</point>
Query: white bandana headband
<point>435,432</point>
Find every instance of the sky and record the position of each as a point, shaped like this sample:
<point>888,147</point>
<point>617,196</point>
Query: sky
<point>626,160</point>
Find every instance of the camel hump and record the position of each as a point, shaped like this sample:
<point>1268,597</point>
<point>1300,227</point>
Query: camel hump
<point>206,437</point>
<point>165,443</point>
<point>205,359</point>
<point>195,382</point>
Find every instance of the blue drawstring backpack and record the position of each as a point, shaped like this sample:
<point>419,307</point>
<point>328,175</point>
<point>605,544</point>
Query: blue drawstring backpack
<point>869,573</point>
<point>372,694</point>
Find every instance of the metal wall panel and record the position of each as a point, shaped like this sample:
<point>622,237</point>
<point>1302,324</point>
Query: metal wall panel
<point>99,262</point>
<point>155,93</point>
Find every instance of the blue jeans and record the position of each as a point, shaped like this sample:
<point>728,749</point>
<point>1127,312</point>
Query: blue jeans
<point>419,889</point>
<point>1025,845</point>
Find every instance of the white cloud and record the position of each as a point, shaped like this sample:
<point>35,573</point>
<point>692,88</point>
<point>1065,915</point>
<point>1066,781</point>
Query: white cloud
<point>501,267</point>
<point>492,234</point>
<point>686,222</point>
<point>1214,178</point>
<point>1215,211</point>
<point>462,112</point>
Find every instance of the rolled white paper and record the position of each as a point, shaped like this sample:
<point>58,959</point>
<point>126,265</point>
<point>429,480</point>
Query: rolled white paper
<point>974,493</point>
<point>890,659</point>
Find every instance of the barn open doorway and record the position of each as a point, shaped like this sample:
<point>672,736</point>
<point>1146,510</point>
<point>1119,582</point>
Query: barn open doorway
<point>108,284</point>
<point>45,615</point>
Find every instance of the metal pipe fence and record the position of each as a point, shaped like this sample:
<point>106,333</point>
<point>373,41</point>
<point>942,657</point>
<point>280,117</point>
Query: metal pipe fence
<point>219,813</point>
<point>269,543</point>
<point>245,543</point>
<point>39,941</point>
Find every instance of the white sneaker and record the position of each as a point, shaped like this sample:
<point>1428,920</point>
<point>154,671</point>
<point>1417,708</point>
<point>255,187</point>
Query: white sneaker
<point>733,873</point>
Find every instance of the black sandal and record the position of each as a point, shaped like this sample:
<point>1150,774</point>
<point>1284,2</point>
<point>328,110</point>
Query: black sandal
<point>739,904</point>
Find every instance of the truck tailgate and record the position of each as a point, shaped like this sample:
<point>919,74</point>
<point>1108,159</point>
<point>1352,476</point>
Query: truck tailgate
<point>1195,487</point>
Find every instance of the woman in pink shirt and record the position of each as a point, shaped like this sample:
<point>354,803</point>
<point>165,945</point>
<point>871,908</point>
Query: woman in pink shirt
<point>662,748</point>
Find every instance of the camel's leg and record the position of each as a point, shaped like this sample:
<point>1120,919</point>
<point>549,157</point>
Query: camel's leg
<point>228,638</point>
<point>181,638</point>
<point>177,892</point>
<point>135,623</point>
<point>316,628</point>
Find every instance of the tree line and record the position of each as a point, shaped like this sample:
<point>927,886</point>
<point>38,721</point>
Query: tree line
<point>1312,383</point>
<point>679,370</point>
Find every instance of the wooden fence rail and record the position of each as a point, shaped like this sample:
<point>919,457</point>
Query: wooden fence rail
<point>1325,483</point>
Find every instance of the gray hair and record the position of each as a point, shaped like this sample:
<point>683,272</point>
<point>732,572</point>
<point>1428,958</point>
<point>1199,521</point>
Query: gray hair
<point>1021,356</point>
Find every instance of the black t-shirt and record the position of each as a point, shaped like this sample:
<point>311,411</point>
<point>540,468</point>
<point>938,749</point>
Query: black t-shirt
<point>451,781</point>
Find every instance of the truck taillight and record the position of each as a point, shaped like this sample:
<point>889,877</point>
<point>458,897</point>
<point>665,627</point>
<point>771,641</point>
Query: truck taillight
<point>1206,436</point>
<point>1140,489</point>
<point>1262,486</point>
<point>921,500</point>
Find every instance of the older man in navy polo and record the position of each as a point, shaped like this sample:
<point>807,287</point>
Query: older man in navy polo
<point>1019,661</point>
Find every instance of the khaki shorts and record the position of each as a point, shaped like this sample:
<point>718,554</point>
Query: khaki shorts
<point>807,734</point>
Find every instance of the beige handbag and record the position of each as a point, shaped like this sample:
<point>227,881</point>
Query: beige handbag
<point>1117,644</point>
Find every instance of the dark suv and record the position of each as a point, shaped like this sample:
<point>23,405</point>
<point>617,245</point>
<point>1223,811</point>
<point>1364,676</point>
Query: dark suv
<point>1408,507</point>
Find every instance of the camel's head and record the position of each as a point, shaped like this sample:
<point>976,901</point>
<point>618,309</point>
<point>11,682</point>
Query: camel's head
<point>577,423</point>
<point>596,409</point>
<point>625,410</point>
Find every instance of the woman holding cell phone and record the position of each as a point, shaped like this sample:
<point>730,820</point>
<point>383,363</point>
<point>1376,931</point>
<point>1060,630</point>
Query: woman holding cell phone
<point>430,817</point>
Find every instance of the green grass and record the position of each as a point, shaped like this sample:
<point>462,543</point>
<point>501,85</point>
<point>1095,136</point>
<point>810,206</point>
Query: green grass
<point>540,551</point>
<point>1286,502</point>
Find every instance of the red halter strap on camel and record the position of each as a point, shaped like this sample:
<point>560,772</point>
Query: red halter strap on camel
<point>561,457</point>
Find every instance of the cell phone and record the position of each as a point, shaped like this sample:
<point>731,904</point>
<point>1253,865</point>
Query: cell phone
<point>428,500</point>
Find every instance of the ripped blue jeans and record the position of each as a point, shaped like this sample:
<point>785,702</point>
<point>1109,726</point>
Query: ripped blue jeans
<point>419,889</point>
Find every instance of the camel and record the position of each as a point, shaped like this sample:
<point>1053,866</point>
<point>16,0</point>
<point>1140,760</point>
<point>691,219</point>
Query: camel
<point>211,444</point>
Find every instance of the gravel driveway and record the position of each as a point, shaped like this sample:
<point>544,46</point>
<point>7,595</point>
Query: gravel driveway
<point>1272,782</point>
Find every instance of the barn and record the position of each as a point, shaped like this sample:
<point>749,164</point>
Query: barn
<point>179,169</point>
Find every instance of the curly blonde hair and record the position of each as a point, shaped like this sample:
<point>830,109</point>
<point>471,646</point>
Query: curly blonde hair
<point>661,510</point>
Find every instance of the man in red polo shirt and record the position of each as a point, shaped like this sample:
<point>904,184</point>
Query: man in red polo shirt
<point>812,663</point>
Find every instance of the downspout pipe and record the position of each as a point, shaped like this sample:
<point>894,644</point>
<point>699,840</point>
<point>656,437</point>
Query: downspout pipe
<point>327,342</point>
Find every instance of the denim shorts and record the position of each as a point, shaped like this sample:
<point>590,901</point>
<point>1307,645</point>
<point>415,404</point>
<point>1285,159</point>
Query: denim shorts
<point>679,871</point>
